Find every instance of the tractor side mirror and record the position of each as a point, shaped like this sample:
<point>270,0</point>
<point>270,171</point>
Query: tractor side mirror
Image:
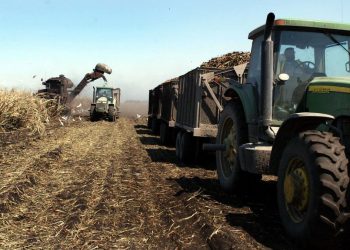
<point>347,66</point>
<point>282,78</point>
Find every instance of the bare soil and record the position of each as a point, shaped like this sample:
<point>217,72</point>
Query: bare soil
<point>110,185</point>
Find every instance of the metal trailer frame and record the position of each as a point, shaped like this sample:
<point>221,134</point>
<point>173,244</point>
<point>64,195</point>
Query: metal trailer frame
<point>169,98</point>
<point>154,109</point>
<point>154,102</point>
<point>199,102</point>
<point>150,93</point>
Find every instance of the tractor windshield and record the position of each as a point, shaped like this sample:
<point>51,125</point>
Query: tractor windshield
<point>105,92</point>
<point>304,55</point>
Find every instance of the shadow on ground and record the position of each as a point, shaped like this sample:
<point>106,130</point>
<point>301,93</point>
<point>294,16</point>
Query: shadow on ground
<point>167,154</point>
<point>147,140</point>
<point>142,131</point>
<point>140,126</point>
<point>262,222</point>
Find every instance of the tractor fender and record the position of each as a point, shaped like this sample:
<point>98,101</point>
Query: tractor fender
<point>246,95</point>
<point>293,125</point>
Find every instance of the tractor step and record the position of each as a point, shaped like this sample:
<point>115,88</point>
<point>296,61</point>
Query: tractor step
<point>255,157</point>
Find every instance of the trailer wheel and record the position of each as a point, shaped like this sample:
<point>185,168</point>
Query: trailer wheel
<point>149,122</point>
<point>312,185</point>
<point>164,133</point>
<point>177,144</point>
<point>155,127</point>
<point>186,148</point>
<point>232,132</point>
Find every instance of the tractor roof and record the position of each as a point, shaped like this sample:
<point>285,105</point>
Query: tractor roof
<point>297,23</point>
<point>104,87</point>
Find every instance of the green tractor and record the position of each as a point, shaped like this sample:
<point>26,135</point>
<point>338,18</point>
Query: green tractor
<point>291,119</point>
<point>106,104</point>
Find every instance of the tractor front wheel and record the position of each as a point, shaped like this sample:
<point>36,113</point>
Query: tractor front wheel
<point>312,185</point>
<point>111,115</point>
<point>232,132</point>
<point>93,116</point>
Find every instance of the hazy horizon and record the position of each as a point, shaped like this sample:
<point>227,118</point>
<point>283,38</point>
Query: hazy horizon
<point>144,42</point>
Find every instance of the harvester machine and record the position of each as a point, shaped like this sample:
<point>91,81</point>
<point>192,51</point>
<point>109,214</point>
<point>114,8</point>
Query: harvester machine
<point>59,88</point>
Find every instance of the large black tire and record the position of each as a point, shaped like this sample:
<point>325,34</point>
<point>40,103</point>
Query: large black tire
<point>164,134</point>
<point>172,136</point>
<point>186,154</point>
<point>93,116</point>
<point>227,162</point>
<point>312,185</point>
<point>155,126</point>
<point>149,122</point>
<point>111,117</point>
<point>177,144</point>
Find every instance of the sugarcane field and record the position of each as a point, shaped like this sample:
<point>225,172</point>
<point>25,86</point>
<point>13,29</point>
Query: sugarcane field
<point>163,125</point>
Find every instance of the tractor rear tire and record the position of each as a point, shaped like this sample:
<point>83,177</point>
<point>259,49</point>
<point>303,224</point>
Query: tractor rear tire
<point>233,132</point>
<point>312,184</point>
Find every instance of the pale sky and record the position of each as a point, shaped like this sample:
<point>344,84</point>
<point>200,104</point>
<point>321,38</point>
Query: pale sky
<point>144,42</point>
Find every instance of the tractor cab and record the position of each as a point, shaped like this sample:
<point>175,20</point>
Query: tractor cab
<point>306,52</point>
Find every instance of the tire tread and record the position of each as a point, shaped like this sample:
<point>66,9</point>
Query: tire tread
<point>332,164</point>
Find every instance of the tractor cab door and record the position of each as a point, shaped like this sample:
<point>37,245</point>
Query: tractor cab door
<point>304,55</point>
<point>299,59</point>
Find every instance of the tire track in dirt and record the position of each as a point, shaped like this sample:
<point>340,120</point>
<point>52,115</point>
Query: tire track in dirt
<point>110,185</point>
<point>13,191</point>
<point>225,221</point>
<point>77,197</point>
<point>55,203</point>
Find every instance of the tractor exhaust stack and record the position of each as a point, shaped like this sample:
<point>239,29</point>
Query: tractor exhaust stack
<point>267,78</point>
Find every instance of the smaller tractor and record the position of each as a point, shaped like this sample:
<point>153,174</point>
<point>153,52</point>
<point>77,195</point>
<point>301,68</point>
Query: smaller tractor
<point>105,104</point>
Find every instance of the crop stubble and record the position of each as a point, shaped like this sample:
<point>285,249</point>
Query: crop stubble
<point>110,185</point>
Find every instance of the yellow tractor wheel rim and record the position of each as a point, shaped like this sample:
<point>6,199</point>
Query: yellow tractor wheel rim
<point>296,189</point>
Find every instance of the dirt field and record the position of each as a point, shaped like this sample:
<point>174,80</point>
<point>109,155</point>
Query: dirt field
<point>110,185</point>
